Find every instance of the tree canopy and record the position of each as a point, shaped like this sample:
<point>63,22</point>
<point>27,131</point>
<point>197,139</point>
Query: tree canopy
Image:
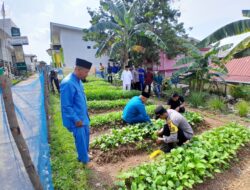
<point>120,27</point>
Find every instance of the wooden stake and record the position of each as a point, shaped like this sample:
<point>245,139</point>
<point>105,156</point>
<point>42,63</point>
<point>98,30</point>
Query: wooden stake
<point>46,100</point>
<point>17,133</point>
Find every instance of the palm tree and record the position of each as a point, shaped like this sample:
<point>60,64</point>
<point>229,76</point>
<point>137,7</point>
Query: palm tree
<point>121,28</point>
<point>201,66</point>
<point>232,29</point>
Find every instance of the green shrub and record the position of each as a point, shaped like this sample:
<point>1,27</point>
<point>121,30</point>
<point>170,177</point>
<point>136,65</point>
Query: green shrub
<point>169,92</point>
<point>67,173</point>
<point>197,99</point>
<point>242,108</point>
<point>216,104</point>
<point>240,91</point>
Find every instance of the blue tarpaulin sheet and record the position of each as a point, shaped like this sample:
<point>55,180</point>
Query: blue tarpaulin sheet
<point>30,110</point>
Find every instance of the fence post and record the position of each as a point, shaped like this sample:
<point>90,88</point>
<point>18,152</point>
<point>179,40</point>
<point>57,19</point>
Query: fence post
<point>46,100</point>
<point>5,84</point>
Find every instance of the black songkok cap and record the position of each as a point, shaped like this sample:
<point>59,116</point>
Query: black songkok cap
<point>159,111</point>
<point>145,94</point>
<point>83,63</point>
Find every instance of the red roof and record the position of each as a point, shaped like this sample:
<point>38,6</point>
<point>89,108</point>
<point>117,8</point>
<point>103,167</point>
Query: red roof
<point>238,70</point>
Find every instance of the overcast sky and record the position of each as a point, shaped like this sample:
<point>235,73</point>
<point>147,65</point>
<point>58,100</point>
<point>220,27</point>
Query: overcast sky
<point>33,17</point>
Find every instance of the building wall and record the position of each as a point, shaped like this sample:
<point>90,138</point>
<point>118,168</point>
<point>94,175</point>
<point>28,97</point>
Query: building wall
<point>74,47</point>
<point>167,66</point>
<point>29,63</point>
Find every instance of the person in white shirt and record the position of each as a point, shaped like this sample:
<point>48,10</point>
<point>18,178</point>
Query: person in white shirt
<point>126,78</point>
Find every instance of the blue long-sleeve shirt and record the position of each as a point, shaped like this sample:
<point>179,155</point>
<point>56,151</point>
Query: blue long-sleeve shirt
<point>142,73</point>
<point>73,102</point>
<point>135,112</point>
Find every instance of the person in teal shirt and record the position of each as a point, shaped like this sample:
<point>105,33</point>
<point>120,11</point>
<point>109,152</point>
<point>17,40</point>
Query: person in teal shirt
<point>135,112</point>
<point>74,108</point>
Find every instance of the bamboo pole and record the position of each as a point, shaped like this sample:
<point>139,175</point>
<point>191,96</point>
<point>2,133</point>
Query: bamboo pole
<point>17,133</point>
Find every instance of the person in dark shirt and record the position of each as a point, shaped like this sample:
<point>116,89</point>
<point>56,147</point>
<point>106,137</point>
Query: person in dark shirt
<point>109,70</point>
<point>177,103</point>
<point>54,81</point>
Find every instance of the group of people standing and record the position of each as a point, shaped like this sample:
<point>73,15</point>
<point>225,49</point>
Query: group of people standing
<point>139,79</point>
<point>112,69</point>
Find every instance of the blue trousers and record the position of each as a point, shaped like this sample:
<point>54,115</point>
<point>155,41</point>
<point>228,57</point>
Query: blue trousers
<point>141,85</point>
<point>81,135</point>
<point>137,119</point>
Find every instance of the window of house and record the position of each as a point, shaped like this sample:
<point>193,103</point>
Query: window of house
<point>88,47</point>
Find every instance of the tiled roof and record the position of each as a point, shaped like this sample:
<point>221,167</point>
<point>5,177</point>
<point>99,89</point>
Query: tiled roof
<point>238,70</point>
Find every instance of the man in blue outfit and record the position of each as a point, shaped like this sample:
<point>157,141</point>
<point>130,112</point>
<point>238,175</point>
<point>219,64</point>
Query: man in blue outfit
<point>134,111</point>
<point>142,73</point>
<point>74,108</point>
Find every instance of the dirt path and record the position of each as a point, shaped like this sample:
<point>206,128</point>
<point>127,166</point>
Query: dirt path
<point>28,80</point>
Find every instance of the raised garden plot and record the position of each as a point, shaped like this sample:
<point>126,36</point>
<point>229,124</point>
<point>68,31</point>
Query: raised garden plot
<point>108,105</point>
<point>129,140</point>
<point>113,118</point>
<point>190,164</point>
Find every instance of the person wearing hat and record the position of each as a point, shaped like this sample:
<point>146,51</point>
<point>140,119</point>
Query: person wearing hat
<point>176,130</point>
<point>126,78</point>
<point>135,112</point>
<point>74,108</point>
<point>177,102</point>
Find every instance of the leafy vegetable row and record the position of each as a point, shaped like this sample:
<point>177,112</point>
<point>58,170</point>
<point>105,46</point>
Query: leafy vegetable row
<point>188,165</point>
<point>126,135</point>
<point>193,117</point>
<point>113,118</point>
<point>110,94</point>
<point>134,133</point>
<point>109,104</point>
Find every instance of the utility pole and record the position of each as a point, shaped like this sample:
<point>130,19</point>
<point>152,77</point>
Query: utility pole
<point>4,52</point>
<point>16,132</point>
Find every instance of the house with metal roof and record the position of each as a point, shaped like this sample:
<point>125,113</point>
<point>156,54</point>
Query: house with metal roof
<point>238,70</point>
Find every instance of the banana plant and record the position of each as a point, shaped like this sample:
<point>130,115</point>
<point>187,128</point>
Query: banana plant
<point>202,66</point>
<point>232,29</point>
<point>121,28</point>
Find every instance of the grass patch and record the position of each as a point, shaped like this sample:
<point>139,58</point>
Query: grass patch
<point>217,104</point>
<point>67,172</point>
<point>197,99</point>
<point>242,108</point>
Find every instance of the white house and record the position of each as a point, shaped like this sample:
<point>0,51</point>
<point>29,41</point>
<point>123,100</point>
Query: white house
<point>67,44</point>
<point>31,62</point>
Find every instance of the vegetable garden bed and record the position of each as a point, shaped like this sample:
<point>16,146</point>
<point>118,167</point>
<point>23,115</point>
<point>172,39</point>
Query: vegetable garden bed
<point>185,166</point>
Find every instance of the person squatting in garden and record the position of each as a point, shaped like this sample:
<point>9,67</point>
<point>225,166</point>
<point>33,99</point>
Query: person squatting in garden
<point>176,131</point>
<point>54,81</point>
<point>74,108</point>
<point>177,102</point>
<point>135,111</point>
